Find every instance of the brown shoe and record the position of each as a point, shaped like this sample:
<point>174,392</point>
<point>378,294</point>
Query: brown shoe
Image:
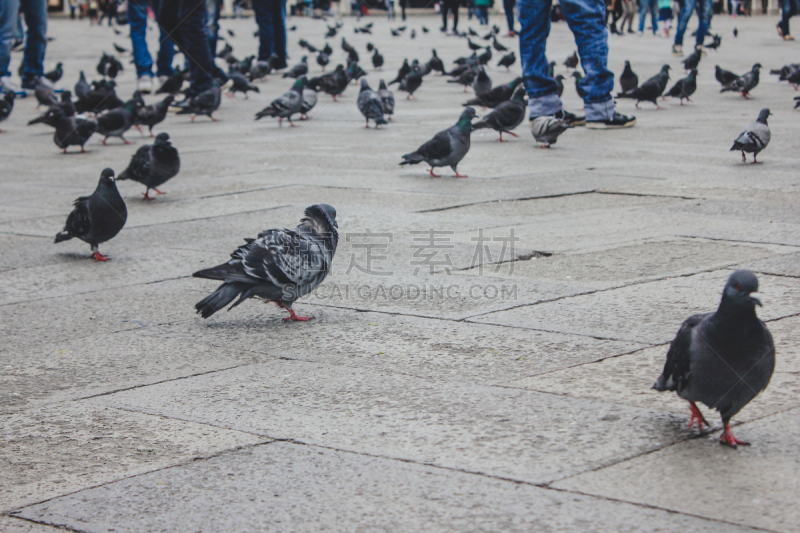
<point>788,38</point>
<point>780,31</point>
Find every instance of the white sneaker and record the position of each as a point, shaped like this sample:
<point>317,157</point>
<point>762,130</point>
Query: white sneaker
<point>6,84</point>
<point>145,84</point>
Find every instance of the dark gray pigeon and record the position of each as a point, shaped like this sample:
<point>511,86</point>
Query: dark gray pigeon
<point>70,131</point>
<point>507,60</point>
<point>153,165</point>
<point>241,85</point>
<point>411,83</point>
<point>628,80</point>
<point>115,122</point>
<point>685,87</point>
<point>280,266</point>
<point>300,69</point>
<point>152,115</point>
<point>97,218</point>
<point>436,63</point>
<point>482,83</point>
<point>81,86</point>
<point>754,138</point>
<point>7,105</point>
<point>204,103</point>
<point>377,59</point>
<point>694,59</point>
<point>447,148</point>
<point>650,90</point>
<point>722,359</point>
<point>371,105</point>
<point>572,61</point>
<point>323,59</point>
<point>506,116</point>
<point>333,83</point>
<point>724,77</point>
<point>388,100</point>
<point>286,105</point>
<point>402,72</point>
<point>498,95</point>
<point>744,83</point>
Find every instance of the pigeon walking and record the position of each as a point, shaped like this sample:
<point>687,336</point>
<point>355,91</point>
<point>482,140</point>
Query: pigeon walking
<point>55,74</point>
<point>546,129</point>
<point>506,116</point>
<point>70,131</point>
<point>411,83</point>
<point>81,86</point>
<point>724,77</point>
<point>628,80</point>
<point>241,85</point>
<point>497,46</point>
<point>754,138</point>
<point>115,122</point>
<point>495,97</point>
<point>447,148</point>
<point>286,105</point>
<point>97,218</point>
<point>370,104</point>
<point>300,69</point>
<point>507,60</point>
<point>309,101</point>
<point>153,165</point>
<point>722,359</point>
<point>333,83</point>
<point>684,88</point>
<point>650,90</point>
<point>745,83</point>
<point>204,103</point>
<point>571,61</point>
<point>154,114</point>
<point>280,266</point>
<point>693,60</point>
<point>6,105</point>
<point>387,97</point>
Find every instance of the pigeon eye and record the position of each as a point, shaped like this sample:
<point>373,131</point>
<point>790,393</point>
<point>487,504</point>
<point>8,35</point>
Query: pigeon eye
<point>738,287</point>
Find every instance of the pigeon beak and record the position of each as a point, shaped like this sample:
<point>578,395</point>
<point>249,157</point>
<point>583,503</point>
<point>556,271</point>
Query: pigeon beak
<point>756,297</point>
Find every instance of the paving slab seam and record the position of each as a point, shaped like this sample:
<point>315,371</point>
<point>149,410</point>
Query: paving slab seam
<point>24,235</point>
<point>213,217</point>
<point>54,526</point>
<point>523,199</point>
<point>722,239</point>
<point>648,195</point>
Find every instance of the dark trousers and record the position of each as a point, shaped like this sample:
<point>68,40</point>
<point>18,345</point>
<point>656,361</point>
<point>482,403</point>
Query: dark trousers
<point>452,6</point>
<point>271,20</point>
<point>508,7</point>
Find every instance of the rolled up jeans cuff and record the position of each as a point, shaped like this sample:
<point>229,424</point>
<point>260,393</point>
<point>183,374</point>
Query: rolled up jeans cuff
<point>542,106</point>
<point>599,110</point>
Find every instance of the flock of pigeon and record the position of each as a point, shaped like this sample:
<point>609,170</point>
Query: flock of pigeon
<point>704,362</point>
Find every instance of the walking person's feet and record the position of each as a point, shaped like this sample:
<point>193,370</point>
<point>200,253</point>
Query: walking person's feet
<point>677,50</point>
<point>145,84</point>
<point>616,122</point>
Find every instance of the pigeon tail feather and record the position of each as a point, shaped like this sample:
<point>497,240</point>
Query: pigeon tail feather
<point>218,299</point>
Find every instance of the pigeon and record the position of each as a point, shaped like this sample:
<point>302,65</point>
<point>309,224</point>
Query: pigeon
<point>507,60</point>
<point>330,33</point>
<point>370,104</point>
<point>109,66</point>
<point>394,33</point>
<point>413,34</point>
<point>436,63</point>
<point>323,59</point>
<point>333,83</point>
<point>55,74</point>
<point>497,46</point>
<point>152,115</point>
<point>744,83</point>
<point>735,32</point>
<point>628,80</point>
<point>285,105</point>
<point>425,30</point>
<point>116,31</point>
<point>473,33</point>
<point>506,116</point>
<point>97,218</point>
<point>259,70</point>
<point>546,129</point>
<point>81,86</point>
<point>693,60</point>
<point>241,85</point>
<point>724,77</point>
<point>447,148</point>
<point>70,131</point>
<point>230,33</point>
<point>172,84</point>
<point>204,103</point>
<point>754,138</point>
<point>119,49</point>
<point>328,50</point>
<point>411,83</point>
<point>722,359</point>
<point>482,83</point>
<point>684,88</point>
<point>402,73</point>
<point>473,46</point>
<point>354,71</point>
<point>560,83</point>
<point>351,52</point>
<point>387,98</point>
<point>45,92</point>
<point>309,101</point>
<point>101,96</point>
<point>496,96</point>
<point>153,165</point>
<point>572,61</point>
<point>466,78</point>
<point>6,105</point>
<point>115,122</point>
<point>785,71</point>
<point>377,59</point>
<point>401,29</point>
<point>650,90</point>
<point>578,81</point>
<point>293,28</point>
<point>370,47</point>
<point>300,69</point>
<point>281,265</point>
<point>485,57</point>
<point>66,104</point>
<point>67,110</point>
<point>305,44</point>
<point>716,41</point>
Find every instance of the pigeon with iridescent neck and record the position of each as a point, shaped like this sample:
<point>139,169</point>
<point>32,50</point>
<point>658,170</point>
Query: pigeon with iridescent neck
<point>447,148</point>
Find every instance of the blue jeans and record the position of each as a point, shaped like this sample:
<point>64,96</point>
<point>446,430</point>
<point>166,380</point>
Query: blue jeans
<point>35,12</point>
<point>137,18</point>
<point>482,12</point>
<point>508,7</point>
<point>586,20</point>
<point>789,9</point>
<point>650,6</point>
<point>213,10</point>
<point>271,20</point>
<point>703,13</point>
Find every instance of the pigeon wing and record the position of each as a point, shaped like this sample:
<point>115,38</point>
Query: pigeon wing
<point>78,222</point>
<point>677,368</point>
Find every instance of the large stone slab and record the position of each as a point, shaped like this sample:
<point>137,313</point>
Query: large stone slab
<point>289,487</point>
<point>18,525</point>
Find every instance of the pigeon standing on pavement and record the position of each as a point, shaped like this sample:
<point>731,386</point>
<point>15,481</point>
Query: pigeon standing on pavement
<point>55,74</point>
<point>279,266</point>
<point>323,59</point>
<point>507,60</point>
<point>628,80</point>
<point>333,83</point>
<point>115,122</point>
<point>387,97</point>
<point>693,60</point>
<point>286,105</point>
<point>447,148</point>
<point>241,85</point>
<point>650,90</point>
<point>402,73</point>
<point>153,165</point>
<point>507,115</point>
<point>204,103</point>
<point>724,77</point>
<point>6,105</point>
<point>300,69</point>
<point>154,114</point>
<point>744,83</point>
<point>81,86</point>
<point>496,96</point>
<point>309,101</point>
<point>482,83</point>
<point>371,105</point>
<point>546,129</point>
<point>377,59</point>
<point>572,61</point>
<point>722,359</point>
<point>685,87</point>
<point>754,138</point>
<point>436,63</point>
<point>70,131</point>
<point>411,83</point>
<point>97,218</point>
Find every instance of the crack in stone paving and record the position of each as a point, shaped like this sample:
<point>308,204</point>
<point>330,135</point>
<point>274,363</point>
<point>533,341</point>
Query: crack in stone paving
<point>523,199</point>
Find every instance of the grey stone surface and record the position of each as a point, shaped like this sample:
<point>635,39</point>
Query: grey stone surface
<point>288,487</point>
<point>550,383</point>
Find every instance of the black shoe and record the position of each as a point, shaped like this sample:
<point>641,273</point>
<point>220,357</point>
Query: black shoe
<point>29,83</point>
<point>571,118</point>
<point>617,121</point>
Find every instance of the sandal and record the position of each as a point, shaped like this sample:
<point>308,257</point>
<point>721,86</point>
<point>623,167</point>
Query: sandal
<point>780,31</point>
<point>788,38</point>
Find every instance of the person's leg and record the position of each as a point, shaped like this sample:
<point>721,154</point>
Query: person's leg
<point>184,21</point>
<point>643,4</point>
<point>454,9</point>
<point>279,31</point>
<point>263,15</point>
<point>137,20</point>
<point>704,17</point>
<point>166,47</point>
<point>213,9</point>
<point>508,7</point>
<point>542,89</point>
<point>654,15</point>
<point>683,21</point>
<point>9,10</point>
<point>35,12</point>
<point>585,20</point>
<point>444,8</point>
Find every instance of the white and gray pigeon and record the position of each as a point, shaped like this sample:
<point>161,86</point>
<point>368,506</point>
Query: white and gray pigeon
<point>309,101</point>
<point>97,218</point>
<point>387,97</point>
<point>744,83</point>
<point>286,105</point>
<point>546,130</point>
<point>280,266</point>
<point>153,165</point>
<point>754,138</point>
<point>371,105</point>
<point>447,148</point>
<point>722,359</point>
